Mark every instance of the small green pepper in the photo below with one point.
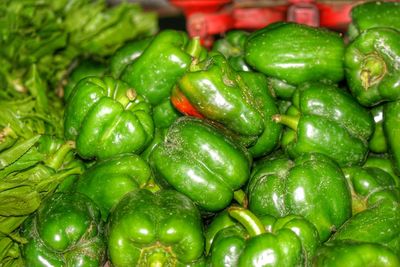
(232, 47)
(373, 14)
(238, 100)
(379, 223)
(372, 65)
(296, 53)
(355, 254)
(107, 117)
(201, 162)
(126, 55)
(231, 230)
(326, 119)
(109, 180)
(370, 185)
(160, 229)
(66, 231)
(162, 63)
(391, 128)
(312, 186)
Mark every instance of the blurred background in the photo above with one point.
(210, 18)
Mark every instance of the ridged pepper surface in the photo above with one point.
(155, 229)
(312, 186)
(107, 117)
(201, 162)
(326, 119)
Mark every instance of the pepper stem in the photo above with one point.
(373, 70)
(288, 120)
(241, 198)
(56, 160)
(248, 219)
(194, 47)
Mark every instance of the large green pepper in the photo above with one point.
(66, 231)
(202, 163)
(107, 117)
(161, 64)
(391, 128)
(327, 120)
(312, 186)
(238, 100)
(370, 185)
(377, 224)
(230, 231)
(373, 14)
(355, 254)
(108, 181)
(160, 229)
(372, 64)
(296, 53)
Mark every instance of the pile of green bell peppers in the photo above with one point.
(273, 147)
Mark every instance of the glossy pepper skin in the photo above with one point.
(66, 231)
(160, 229)
(199, 161)
(391, 128)
(279, 187)
(126, 55)
(238, 100)
(372, 65)
(107, 117)
(373, 14)
(218, 93)
(370, 185)
(296, 53)
(379, 223)
(327, 120)
(232, 47)
(355, 254)
(84, 69)
(109, 180)
(377, 143)
(161, 64)
(227, 238)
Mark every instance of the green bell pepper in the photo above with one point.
(377, 143)
(355, 254)
(370, 185)
(107, 117)
(373, 14)
(109, 180)
(279, 186)
(232, 47)
(160, 229)
(377, 224)
(126, 55)
(372, 66)
(238, 100)
(85, 68)
(230, 231)
(281, 89)
(165, 114)
(199, 161)
(66, 231)
(391, 128)
(161, 64)
(382, 161)
(327, 120)
(296, 53)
